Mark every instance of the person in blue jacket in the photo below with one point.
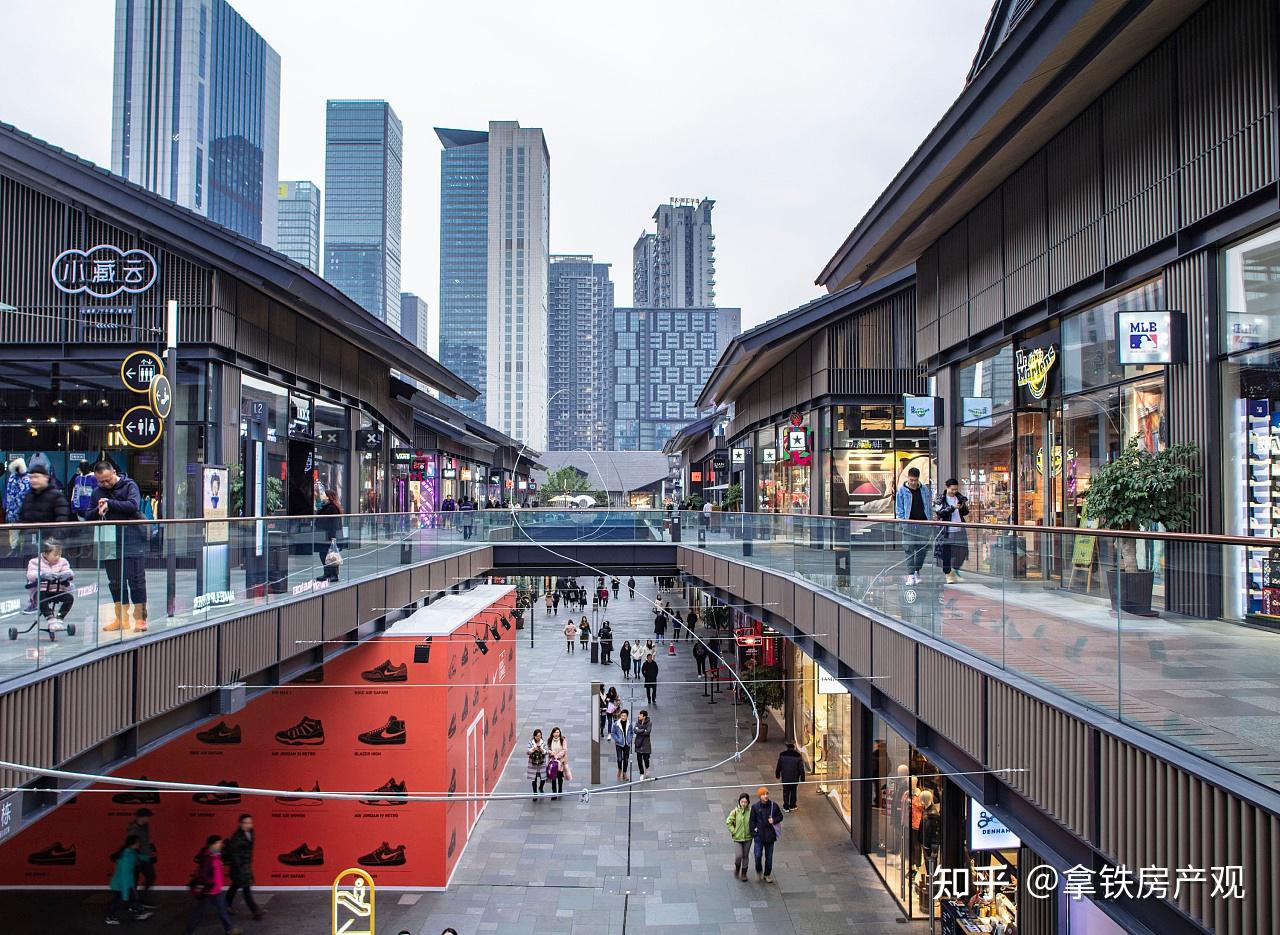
(623, 733)
(115, 498)
(914, 500)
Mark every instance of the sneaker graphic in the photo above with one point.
(301, 799)
(392, 732)
(453, 726)
(302, 856)
(383, 856)
(453, 667)
(390, 788)
(495, 761)
(475, 696)
(309, 732)
(502, 708)
(465, 707)
(139, 796)
(453, 842)
(453, 782)
(311, 677)
(464, 655)
(386, 672)
(218, 798)
(220, 733)
(55, 855)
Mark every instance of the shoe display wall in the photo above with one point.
(371, 721)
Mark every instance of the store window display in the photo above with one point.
(871, 452)
(824, 727)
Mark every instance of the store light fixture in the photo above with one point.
(76, 427)
(29, 420)
(482, 646)
(506, 624)
(53, 418)
(102, 402)
(493, 631)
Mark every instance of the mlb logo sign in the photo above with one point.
(1139, 342)
(1150, 337)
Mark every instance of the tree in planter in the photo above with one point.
(1141, 490)
(733, 497)
(765, 686)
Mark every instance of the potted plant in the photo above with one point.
(765, 686)
(733, 497)
(1141, 490)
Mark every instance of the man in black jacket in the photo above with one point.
(44, 503)
(239, 858)
(790, 770)
(765, 818)
(649, 671)
(115, 498)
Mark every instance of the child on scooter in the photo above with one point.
(49, 576)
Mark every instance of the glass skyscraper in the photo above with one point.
(362, 180)
(464, 259)
(413, 321)
(495, 191)
(196, 111)
(661, 360)
(580, 354)
(298, 224)
(675, 267)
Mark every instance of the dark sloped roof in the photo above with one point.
(50, 168)
(1004, 18)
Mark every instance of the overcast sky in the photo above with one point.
(792, 117)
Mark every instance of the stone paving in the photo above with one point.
(652, 859)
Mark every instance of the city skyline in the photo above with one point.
(580, 323)
(765, 266)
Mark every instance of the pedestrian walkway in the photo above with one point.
(651, 859)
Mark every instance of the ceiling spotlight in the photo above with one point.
(84, 401)
(28, 420)
(75, 427)
(102, 402)
(53, 418)
(482, 646)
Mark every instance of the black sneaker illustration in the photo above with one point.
(218, 798)
(309, 732)
(495, 761)
(386, 672)
(475, 697)
(466, 706)
(137, 796)
(453, 842)
(464, 655)
(394, 793)
(487, 724)
(502, 707)
(302, 856)
(220, 733)
(55, 855)
(302, 799)
(453, 782)
(453, 726)
(311, 677)
(392, 732)
(383, 856)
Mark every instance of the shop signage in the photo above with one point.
(922, 412)
(1151, 337)
(104, 271)
(161, 396)
(106, 318)
(1245, 332)
(533, 485)
(369, 439)
(738, 455)
(769, 455)
(401, 456)
(138, 370)
(987, 832)
(976, 410)
(140, 427)
(719, 464)
(869, 444)
(1035, 368)
(466, 474)
(524, 485)
(828, 684)
(695, 477)
(495, 477)
(299, 415)
(450, 473)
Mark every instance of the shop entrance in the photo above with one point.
(1038, 458)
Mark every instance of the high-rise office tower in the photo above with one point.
(495, 189)
(298, 223)
(195, 111)
(362, 173)
(675, 267)
(413, 321)
(661, 359)
(580, 354)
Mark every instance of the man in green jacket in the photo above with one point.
(739, 824)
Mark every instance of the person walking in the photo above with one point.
(584, 633)
(673, 619)
(691, 622)
(208, 887)
(952, 549)
(612, 705)
(536, 772)
(328, 529)
(624, 736)
(239, 857)
(624, 659)
(570, 631)
(615, 585)
(550, 603)
(912, 502)
(700, 657)
(659, 624)
(555, 601)
(790, 770)
(557, 762)
(765, 818)
(643, 743)
(116, 498)
(45, 502)
(650, 672)
(124, 883)
(637, 657)
(603, 697)
(631, 587)
(140, 828)
(606, 643)
(739, 824)
(603, 593)
(468, 511)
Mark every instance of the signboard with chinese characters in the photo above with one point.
(987, 832)
(104, 271)
(922, 412)
(1151, 337)
(976, 410)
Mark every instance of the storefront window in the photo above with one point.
(989, 378)
(824, 726)
(1089, 355)
(371, 450)
(871, 453)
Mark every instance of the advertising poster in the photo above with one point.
(302, 737)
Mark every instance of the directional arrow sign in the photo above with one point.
(161, 396)
(141, 427)
(139, 369)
